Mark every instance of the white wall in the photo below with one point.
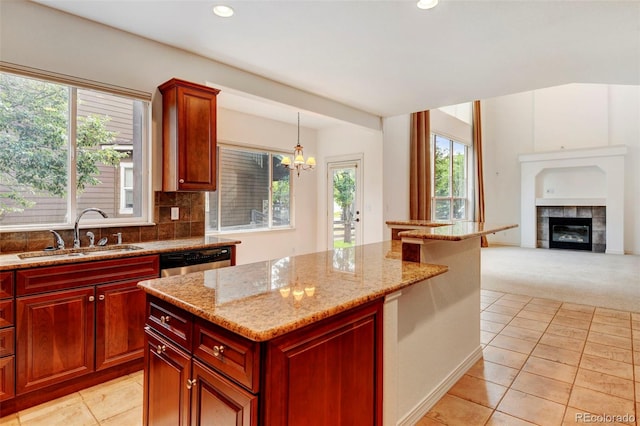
(248, 130)
(566, 117)
(507, 131)
(344, 140)
(396, 169)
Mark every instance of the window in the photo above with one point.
(126, 188)
(450, 182)
(254, 191)
(65, 148)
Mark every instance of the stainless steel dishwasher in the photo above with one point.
(184, 262)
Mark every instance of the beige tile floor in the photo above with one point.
(545, 363)
(114, 403)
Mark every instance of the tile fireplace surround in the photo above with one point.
(596, 213)
(574, 180)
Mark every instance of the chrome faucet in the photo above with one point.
(76, 232)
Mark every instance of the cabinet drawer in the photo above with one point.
(38, 280)
(234, 356)
(6, 285)
(6, 313)
(7, 341)
(170, 322)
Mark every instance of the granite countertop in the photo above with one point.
(453, 232)
(13, 261)
(264, 300)
(415, 223)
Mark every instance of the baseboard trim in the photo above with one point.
(439, 391)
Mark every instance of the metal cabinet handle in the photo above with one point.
(191, 383)
(160, 349)
(91, 298)
(180, 180)
(218, 351)
(165, 320)
(101, 297)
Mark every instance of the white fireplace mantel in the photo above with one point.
(609, 160)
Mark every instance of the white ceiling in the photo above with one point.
(389, 57)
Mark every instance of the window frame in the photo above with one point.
(219, 190)
(73, 84)
(467, 180)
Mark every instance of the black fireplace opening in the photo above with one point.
(570, 233)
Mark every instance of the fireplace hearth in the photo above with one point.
(572, 233)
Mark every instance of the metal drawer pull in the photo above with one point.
(165, 320)
(180, 180)
(101, 297)
(91, 298)
(191, 383)
(218, 351)
(161, 348)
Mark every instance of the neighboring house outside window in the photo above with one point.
(65, 148)
(450, 181)
(253, 191)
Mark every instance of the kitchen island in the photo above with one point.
(348, 336)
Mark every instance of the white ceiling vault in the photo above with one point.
(389, 57)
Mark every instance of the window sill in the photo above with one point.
(249, 231)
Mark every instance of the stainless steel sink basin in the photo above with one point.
(82, 251)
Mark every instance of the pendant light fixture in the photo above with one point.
(298, 163)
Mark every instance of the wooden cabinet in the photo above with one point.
(189, 136)
(120, 316)
(342, 358)
(217, 400)
(167, 369)
(76, 325)
(7, 336)
(55, 337)
(326, 373)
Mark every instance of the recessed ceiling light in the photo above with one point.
(427, 4)
(223, 11)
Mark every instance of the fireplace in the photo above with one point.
(595, 217)
(570, 233)
(585, 182)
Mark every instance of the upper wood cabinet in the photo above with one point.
(188, 136)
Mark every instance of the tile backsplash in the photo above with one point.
(189, 224)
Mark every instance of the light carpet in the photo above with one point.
(597, 279)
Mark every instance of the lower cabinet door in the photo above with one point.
(329, 373)
(217, 401)
(120, 315)
(54, 337)
(166, 395)
(7, 375)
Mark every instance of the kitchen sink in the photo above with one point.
(82, 251)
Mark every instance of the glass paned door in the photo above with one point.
(345, 204)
